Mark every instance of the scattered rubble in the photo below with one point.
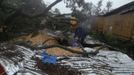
(95, 58)
(104, 63)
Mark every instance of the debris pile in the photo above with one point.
(94, 59)
(28, 61)
(104, 63)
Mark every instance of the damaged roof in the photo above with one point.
(104, 63)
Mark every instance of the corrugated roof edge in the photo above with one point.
(120, 9)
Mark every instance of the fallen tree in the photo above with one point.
(59, 46)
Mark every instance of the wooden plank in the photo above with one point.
(121, 25)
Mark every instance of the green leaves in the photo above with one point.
(74, 4)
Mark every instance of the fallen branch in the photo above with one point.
(102, 46)
(59, 46)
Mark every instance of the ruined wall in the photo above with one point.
(121, 26)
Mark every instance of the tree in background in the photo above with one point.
(74, 4)
(87, 8)
(98, 7)
(108, 6)
(56, 11)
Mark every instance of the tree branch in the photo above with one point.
(45, 11)
(19, 13)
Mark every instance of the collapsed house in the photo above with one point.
(22, 59)
(26, 55)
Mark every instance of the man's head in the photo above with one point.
(73, 21)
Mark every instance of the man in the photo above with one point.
(74, 24)
(79, 31)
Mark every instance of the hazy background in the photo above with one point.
(61, 6)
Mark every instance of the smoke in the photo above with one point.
(89, 23)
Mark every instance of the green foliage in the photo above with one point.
(58, 23)
(19, 24)
(12, 4)
(24, 24)
(73, 4)
(106, 38)
(1, 17)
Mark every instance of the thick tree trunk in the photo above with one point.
(1, 2)
(20, 13)
(47, 9)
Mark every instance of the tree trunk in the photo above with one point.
(44, 13)
(19, 13)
